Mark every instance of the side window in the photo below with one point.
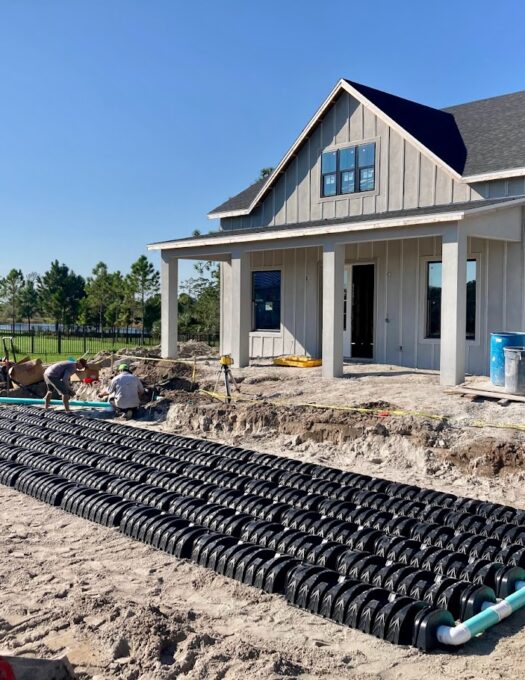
(266, 300)
(433, 299)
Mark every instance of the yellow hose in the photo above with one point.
(362, 409)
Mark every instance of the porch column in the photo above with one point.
(453, 307)
(241, 304)
(169, 288)
(333, 291)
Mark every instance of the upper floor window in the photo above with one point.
(348, 170)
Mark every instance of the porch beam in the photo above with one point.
(333, 295)
(169, 283)
(241, 306)
(503, 225)
(307, 241)
(453, 307)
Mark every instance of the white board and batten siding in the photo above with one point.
(299, 331)
(400, 295)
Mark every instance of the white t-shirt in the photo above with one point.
(126, 389)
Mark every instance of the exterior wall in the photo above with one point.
(405, 177)
(500, 188)
(299, 333)
(400, 300)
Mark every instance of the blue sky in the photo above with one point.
(124, 121)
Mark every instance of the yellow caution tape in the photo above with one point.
(361, 409)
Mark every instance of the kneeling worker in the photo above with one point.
(57, 377)
(124, 392)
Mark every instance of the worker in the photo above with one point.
(124, 392)
(57, 379)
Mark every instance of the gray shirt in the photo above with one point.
(63, 370)
(126, 389)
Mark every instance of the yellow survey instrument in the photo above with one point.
(225, 361)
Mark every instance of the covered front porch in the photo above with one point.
(391, 291)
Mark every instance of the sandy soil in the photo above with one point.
(121, 610)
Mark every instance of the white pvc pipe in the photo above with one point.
(490, 615)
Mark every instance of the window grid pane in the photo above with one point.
(347, 158)
(366, 179)
(348, 182)
(329, 162)
(330, 185)
(367, 154)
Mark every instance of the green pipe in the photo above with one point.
(54, 402)
(491, 614)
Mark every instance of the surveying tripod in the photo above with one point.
(225, 361)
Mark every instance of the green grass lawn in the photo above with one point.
(45, 347)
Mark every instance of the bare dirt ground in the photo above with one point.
(121, 610)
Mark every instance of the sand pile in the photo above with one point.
(193, 348)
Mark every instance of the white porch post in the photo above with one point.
(333, 292)
(241, 306)
(169, 284)
(453, 307)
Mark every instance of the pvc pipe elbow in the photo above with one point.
(455, 636)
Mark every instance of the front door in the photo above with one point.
(358, 319)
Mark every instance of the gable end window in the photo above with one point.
(266, 300)
(349, 170)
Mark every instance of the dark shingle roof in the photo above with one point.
(473, 138)
(435, 129)
(493, 131)
(242, 200)
(356, 219)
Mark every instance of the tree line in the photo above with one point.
(103, 300)
(108, 300)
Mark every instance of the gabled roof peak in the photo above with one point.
(466, 140)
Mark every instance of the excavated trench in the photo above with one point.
(469, 449)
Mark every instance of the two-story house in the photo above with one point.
(390, 231)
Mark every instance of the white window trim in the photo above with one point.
(356, 194)
(265, 333)
(423, 260)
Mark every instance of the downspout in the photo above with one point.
(490, 615)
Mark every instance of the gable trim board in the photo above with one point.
(498, 174)
(341, 86)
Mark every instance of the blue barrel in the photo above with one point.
(498, 342)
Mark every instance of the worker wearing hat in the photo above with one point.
(124, 392)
